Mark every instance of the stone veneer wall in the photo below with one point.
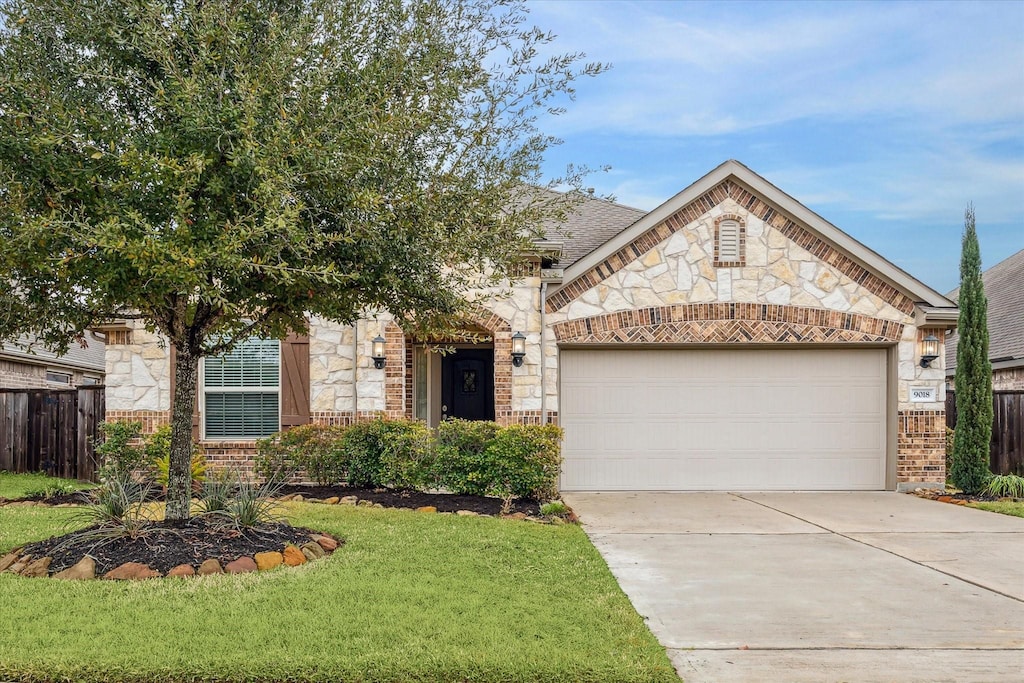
(792, 287)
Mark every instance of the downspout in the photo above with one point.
(543, 352)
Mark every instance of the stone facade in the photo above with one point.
(792, 288)
(667, 286)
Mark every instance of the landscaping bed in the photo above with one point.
(442, 502)
(163, 546)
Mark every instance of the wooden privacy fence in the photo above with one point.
(52, 430)
(1007, 449)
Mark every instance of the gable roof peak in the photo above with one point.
(734, 170)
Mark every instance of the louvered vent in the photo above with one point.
(729, 241)
(242, 391)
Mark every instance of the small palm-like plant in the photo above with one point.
(218, 491)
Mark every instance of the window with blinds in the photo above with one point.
(242, 391)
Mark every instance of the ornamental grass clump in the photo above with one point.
(1005, 486)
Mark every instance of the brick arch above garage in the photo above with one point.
(728, 323)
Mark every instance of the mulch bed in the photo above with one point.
(164, 545)
(444, 502)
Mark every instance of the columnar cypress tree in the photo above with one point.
(969, 470)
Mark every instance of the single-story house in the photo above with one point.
(1004, 289)
(729, 339)
(25, 364)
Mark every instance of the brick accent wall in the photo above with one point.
(758, 207)
(1009, 379)
(727, 323)
(342, 418)
(921, 446)
(151, 419)
(233, 455)
(22, 376)
(395, 395)
(532, 417)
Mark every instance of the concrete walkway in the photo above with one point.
(855, 587)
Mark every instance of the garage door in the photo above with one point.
(709, 419)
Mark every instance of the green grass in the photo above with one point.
(1005, 507)
(21, 485)
(410, 597)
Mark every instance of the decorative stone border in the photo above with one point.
(319, 546)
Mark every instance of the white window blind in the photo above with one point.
(728, 241)
(241, 391)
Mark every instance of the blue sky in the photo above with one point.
(884, 118)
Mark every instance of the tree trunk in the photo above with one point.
(179, 474)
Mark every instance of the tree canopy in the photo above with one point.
(222, 168)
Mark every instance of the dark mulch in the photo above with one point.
(164, 545)
(444, 502)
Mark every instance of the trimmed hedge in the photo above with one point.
(463, 457)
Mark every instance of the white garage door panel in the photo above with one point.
(709, 419)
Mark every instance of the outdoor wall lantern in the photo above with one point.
(518, 349)
(929, 350)
(378, 352)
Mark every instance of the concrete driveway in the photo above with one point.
(818, 586)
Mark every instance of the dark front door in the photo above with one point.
(467, 384)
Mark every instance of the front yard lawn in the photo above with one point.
(410, 597)
(21, 485)
(1006, 507)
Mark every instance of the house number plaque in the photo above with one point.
(922, 394)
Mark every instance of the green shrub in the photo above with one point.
(1005, 486)
(118, 450)
(364, 445)
(317, 450)
(459, 464)
(407, 461)
(522, 462)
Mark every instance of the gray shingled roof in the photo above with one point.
(89, 358)
(592, 223)
(1004, 288)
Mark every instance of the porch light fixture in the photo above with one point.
(929, 350)
(518, 349)
(378, 352)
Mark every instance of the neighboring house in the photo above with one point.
(26, 365)
(729, 339)
(1004, 289)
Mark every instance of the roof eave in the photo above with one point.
(868, 258)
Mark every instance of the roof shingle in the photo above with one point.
(1004, 288)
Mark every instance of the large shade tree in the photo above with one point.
(969, 470)
(221, 169)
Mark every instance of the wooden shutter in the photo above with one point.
(294, 381)
(196, 422)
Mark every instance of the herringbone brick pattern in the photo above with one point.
(727, 323)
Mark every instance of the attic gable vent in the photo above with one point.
(730, 240)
